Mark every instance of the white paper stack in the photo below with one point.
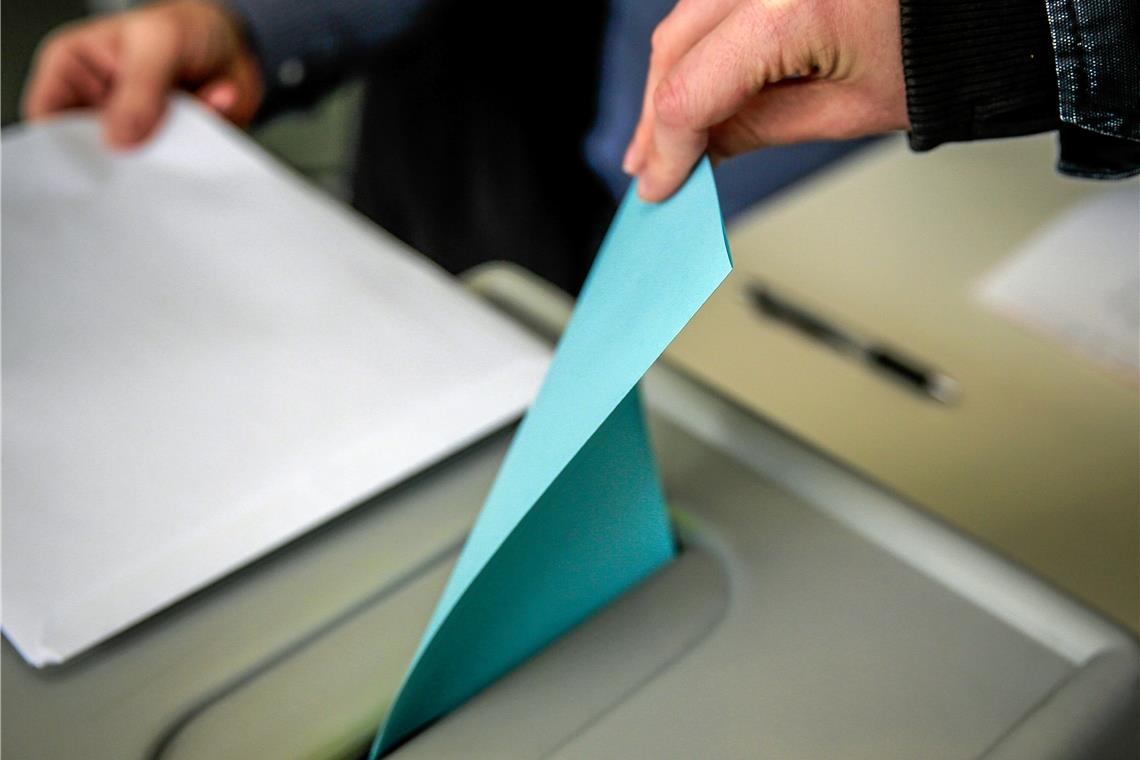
(202, 359)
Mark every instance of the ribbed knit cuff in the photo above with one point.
(977, 69)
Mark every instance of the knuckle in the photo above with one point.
(671, 102)
(775, 26)
(771, 21)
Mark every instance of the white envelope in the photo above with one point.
(202, 359)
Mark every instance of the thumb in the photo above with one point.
(147, 71)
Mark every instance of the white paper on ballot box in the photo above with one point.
(203, 358)
(1077, 280)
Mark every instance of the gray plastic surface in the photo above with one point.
(809, 615)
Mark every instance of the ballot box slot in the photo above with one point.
(887, 361)
(351, 666)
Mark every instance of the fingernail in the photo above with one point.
(223, 99)
(632, 163)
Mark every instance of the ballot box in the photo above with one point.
(808, 614)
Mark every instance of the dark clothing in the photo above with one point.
(1010, 67)
(472, 146)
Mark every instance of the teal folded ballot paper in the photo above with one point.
(576, 515)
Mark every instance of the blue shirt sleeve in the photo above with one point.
(305, 47)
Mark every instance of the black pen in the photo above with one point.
(918, 377)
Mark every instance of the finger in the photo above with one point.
(753, 46)
(687, 23)
(48, 90)
(91, 84)
(672, 154)
(673, 143)
(99, 57)
(47, 95)
(149, 62)
(634, 157)
(64, 64)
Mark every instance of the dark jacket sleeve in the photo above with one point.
(306, 47)
(994, 68)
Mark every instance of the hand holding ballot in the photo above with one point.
(731, 76)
